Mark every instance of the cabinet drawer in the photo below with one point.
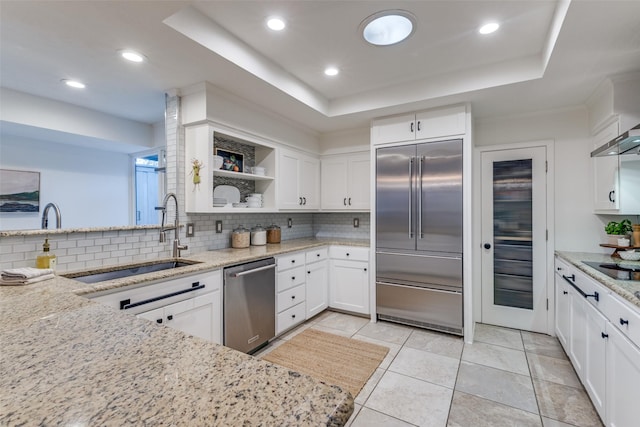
(563, 268)
(317, 255)
(290, 318)
(290, 278)
(290, 261)
(624, 317)
(291, 297)
(590, 287)
(349, 253)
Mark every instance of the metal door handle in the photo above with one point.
(253, 270)
(623, 322)
(170, 317)
(411, 127)
(305, 200)
(411, 193)
(300, 202)
(420, 234)
(603, 335)
(418, 125)
(612, 193)
(349, 201)
(487, 245)
(344, 201)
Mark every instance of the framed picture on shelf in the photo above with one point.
(232, 162)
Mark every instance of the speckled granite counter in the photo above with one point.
(67, 360)
(625, 288)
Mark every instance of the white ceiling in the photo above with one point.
(545, 55)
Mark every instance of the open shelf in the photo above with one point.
(241, 175)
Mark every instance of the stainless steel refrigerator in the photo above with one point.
(419, 235)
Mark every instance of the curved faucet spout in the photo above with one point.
(177, 247)
(45, 216)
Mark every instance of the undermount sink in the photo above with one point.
(104, 274)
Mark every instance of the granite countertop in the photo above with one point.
(68, 360)
(624, 288)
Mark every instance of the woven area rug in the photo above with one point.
(330, 358)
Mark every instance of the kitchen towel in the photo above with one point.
(25, 275)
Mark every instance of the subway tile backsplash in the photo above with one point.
(77, 251)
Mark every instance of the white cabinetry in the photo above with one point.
(346, 182)
(191, 304)
(317, 281)
(442, 122)
(298, 181)
(199, 145)
(605, 172)
(349, 279)
(616, 179)
(290, 291)
(602, 338)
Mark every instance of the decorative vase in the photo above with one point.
(613, 238)
(636, 234)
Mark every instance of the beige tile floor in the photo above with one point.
(505, 378)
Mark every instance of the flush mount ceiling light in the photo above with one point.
(131, 55)
(275, 23)
(73, 83)
(388, 27)
(489, 28)
(331, 71)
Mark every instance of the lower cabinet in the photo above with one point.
(601, 338)
(349, 278)
(196, 316)
(622, 379)
(290, 291)
(317, 287)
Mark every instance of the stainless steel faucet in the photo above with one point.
(177, 247)
(45, 216)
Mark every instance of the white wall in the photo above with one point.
(345, 141)
(91, 187)
(576, 227)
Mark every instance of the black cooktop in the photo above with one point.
(621, 271)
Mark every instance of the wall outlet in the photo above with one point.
(356, 222)
(218, 226)
(191, 229)
(289, 223)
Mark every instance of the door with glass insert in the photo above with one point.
(514, 238)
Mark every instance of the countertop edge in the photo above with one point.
(619, 287)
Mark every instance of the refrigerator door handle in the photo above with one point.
(410, 196)
(419, 178)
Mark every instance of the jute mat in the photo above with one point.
(330, 358)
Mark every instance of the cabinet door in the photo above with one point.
(577, 332)
(310, 182)
(317, 288)
(359, 182)
(443, 122)
(623, 380)
(288, 183)
(334, 183)
(563, 304)
(605, 172)
(595, 362)
(197, 316)
(393, 129)
(156, 315)
(349, 286)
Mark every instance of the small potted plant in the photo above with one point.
(617, 230)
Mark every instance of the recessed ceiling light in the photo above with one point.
(74, 83)
(132, 56)
(275, 23)
(331, 71)
(388, 27)
(489, 28)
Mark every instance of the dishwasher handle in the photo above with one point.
(253, 270)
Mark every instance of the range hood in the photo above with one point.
(627, 143)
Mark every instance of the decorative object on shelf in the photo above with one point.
(636, 234)
(630, 255)
(231, 161)
(196, 167)
(19, 191)
(617, 230)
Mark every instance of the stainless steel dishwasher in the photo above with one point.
(250, 305)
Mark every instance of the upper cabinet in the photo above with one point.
(442, 122)
(298, 181)
(616, 179)
(346, 182)
(202, 142)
